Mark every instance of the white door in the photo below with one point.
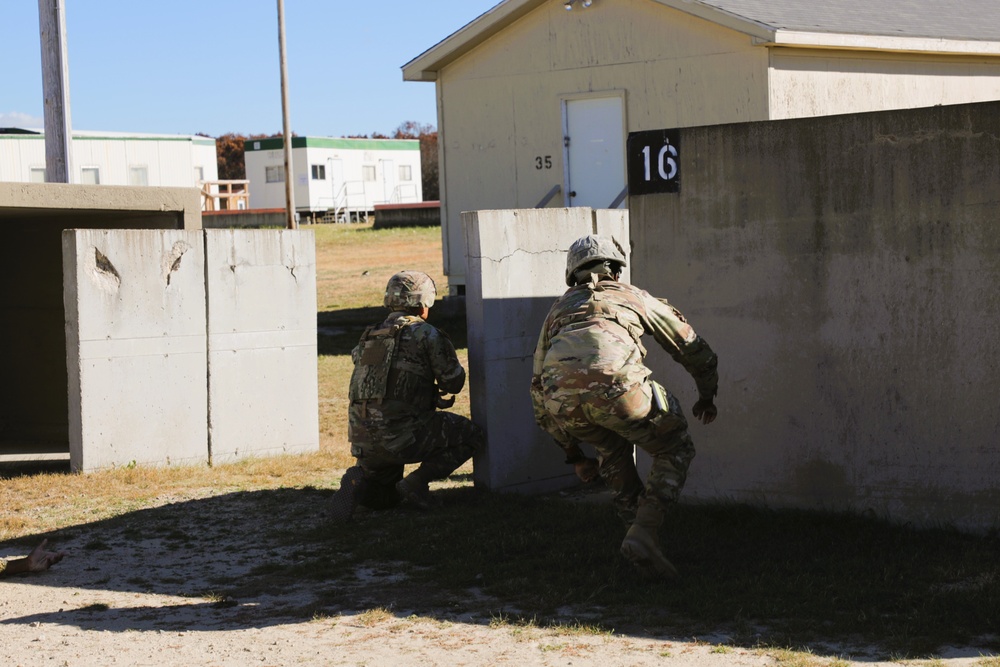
(338, 196)
(595, 151)
(389, 181)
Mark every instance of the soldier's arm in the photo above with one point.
(678, 338)
(447, 369)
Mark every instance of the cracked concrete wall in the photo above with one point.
(517, 264)
(136, 347)
(263, 392)
(189, 346)
(845, 269)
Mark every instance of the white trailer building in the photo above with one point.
(335, 179)
(113, 158)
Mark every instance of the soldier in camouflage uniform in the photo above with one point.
(404, 370)
(589, 384)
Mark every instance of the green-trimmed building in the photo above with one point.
(335, 179)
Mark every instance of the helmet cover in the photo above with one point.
(409, 289)
(591, 249)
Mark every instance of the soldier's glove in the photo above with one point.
(444, 401)
(587, 470)
(705, 411)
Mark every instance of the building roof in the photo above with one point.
(964, 20)
(970, 27)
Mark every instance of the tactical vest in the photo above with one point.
(597, 307)
(375, 374)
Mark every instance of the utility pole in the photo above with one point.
(286, 124)
(55, 89)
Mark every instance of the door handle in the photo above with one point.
(572, 193)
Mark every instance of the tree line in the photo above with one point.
(229, 152)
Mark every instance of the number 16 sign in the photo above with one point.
(653, 162)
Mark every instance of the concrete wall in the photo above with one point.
(136, 348)
(517, 263)
(33, 400)
(424, 214)
(263, 393)
(845, 270)
(248, 219)
(189, 347)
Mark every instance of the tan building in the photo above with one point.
(535, 102)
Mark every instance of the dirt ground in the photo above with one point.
(128, 595)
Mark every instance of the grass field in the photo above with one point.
(758, 578)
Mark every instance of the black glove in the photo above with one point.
(705, 411)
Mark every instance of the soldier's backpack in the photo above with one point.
(370, 379)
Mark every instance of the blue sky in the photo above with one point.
(212, 66)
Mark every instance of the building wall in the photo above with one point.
(350, 190)
(845, 269)
(169, 161)
(834, 82)
(501, 104)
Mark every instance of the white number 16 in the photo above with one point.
(662, 162)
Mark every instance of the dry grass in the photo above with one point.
(353, 264)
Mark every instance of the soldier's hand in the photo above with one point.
(587, 470)
(444, 402)
(705, 411)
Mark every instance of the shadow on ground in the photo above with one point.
(754, 577)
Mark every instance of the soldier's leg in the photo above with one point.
(632, 416)
(370, 482)
(615, 456)
(665, 438)
(447, 442)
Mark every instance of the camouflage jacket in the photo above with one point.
(590, 342)
(423, 365)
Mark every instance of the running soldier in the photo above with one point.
(404, 371)
(589, 385)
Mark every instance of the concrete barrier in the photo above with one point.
(845, 270)
(263, 393)
(517, 263)
(189, 346)
(421, 214)
(136, 347)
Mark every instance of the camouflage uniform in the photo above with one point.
(590, 385)
(402, 368)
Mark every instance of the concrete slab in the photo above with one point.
(263, 391)
(136, 346)
(517, 261)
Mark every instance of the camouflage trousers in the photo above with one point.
(440, 447)
(615, 425)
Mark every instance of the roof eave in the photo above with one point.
(426, 66)
(723, 18)
(828, 40)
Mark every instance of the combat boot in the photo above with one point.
(414, 489)
(345, 500)
(641, 546)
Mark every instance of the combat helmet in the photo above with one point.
(409, 289)
(591, 249)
